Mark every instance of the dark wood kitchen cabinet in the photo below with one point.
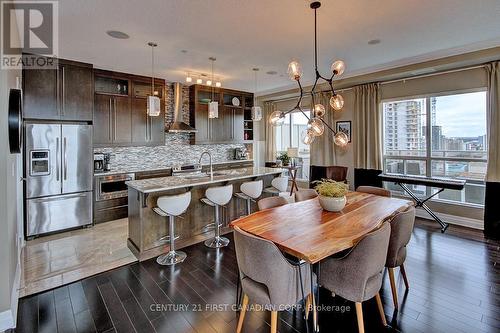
(120, 114)
(112, 120)
(145, 129)
(229, 127)
(63, 93)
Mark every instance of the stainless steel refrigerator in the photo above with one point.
(58, 172)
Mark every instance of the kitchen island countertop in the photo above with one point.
(182, 181)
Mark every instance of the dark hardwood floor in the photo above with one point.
(454, 287)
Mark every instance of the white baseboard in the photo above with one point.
(452, 219)
(8, 318)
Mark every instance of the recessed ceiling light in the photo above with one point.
(117, 34)
(184, 51)
(271, 72)
(374, 41)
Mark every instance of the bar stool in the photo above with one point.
(216, 197)
(171, 206)
(278, 185)
(249, 192)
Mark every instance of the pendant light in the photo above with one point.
(256, 110)
(153, 105)
(213, 106)
(316, 124)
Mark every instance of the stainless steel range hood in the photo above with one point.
(178, 126)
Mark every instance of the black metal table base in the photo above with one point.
(421, 203)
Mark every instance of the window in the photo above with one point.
(289, 135)
(442, 136)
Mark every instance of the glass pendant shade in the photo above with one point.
(294, 71)
(189, 79)
(199, 81)
(341, 139)
(218, 84)
(316, 126)
(338, 67)
(319, 110)
(337, 102)
(209, 82)
(277, 118)
(308, 137)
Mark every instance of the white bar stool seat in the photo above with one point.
(217, 197)
(171, 206)
(249, 192)
(278, 185)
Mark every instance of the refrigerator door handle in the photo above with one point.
(57, 162)
(65, 160)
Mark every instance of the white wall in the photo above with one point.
(11, 197)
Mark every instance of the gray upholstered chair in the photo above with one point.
(267, 277)
(358, 275)
(302, 195)
(271, 202)
(374, 190)
(401, 229)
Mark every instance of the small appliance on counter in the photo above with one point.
(101, 162)
(240, 154)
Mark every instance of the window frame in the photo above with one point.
(428, 158)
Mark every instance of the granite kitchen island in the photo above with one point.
(146, 229)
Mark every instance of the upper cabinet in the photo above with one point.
(63, 93)
(230, 125)
(120, 116)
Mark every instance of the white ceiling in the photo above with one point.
(268, 34)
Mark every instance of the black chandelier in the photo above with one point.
(316, 124)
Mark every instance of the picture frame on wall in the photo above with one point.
(344, 126)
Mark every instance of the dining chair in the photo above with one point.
(306, 194)
(401, 229)
(334, 172)
(374, 190)
(267, 278)
(367, 177)
(357, 276)
(271, 202)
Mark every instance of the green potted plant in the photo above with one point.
(283, 157)
(331, 194)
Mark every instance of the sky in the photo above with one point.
(462, 115)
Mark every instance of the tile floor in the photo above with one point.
(52, 261)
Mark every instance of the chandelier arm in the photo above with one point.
(328, 126)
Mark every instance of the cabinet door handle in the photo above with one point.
(114, 131)
(63, 91)
(109, 120)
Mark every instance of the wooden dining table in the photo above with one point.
(306, 231)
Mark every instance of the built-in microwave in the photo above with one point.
(112, 186)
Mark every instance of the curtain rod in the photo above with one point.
(395, 81)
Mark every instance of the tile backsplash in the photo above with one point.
(176, 150)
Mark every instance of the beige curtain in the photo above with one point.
(323, 148)
(367, 127)
(493, 122)
(270, 133)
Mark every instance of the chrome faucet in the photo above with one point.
(210, 156)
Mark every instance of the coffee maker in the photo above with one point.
(101, 162)
(240, 154)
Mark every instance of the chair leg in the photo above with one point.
(315, 314)
(405, 278)
(393, 287)
(244, 306)
(359, 315)
(274, 321)
(381, 309)
(308, 305)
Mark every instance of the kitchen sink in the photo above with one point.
(203, 175)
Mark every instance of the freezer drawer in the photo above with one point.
(57, 213)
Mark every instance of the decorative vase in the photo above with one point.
(332, 204)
